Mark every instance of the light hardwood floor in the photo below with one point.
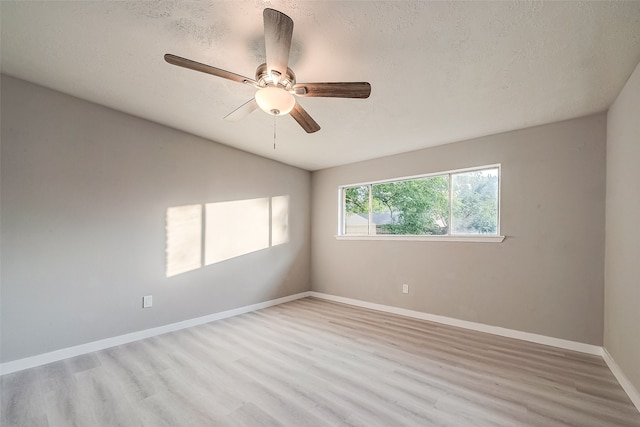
(316, 363)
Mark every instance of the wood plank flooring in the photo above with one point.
(312, 362)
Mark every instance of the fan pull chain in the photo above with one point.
(274, 132)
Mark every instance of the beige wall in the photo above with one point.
(85, 190)
(546, 277)
(622, 265)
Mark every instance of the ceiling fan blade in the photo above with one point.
(334, 90)
(278, 29)
(197, 66)
(242, 111)
(304, 119)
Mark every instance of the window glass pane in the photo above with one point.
(356, 210)
(411, 207)
(475, 202)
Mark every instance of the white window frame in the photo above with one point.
(478, 238)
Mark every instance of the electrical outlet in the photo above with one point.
(405, 288)
(147, 301)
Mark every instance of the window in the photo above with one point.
(455, 203)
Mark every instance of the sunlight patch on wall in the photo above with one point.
(235, 228)
(279, 220)
(231, 229)
(184, 239)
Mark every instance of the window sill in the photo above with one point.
(472, 239)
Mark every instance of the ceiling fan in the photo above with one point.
(275, 81)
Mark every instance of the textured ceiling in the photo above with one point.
(440, 71)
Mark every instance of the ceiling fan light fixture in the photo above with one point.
(275, 100)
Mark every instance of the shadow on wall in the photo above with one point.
(223, 230)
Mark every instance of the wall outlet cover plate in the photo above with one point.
(147, 301)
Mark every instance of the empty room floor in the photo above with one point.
(312, 362)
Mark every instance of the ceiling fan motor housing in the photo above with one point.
(274, 78)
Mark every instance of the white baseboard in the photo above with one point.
(495, 330)
(65, 353)
(631, 391)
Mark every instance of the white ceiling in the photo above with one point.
(440, 71)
